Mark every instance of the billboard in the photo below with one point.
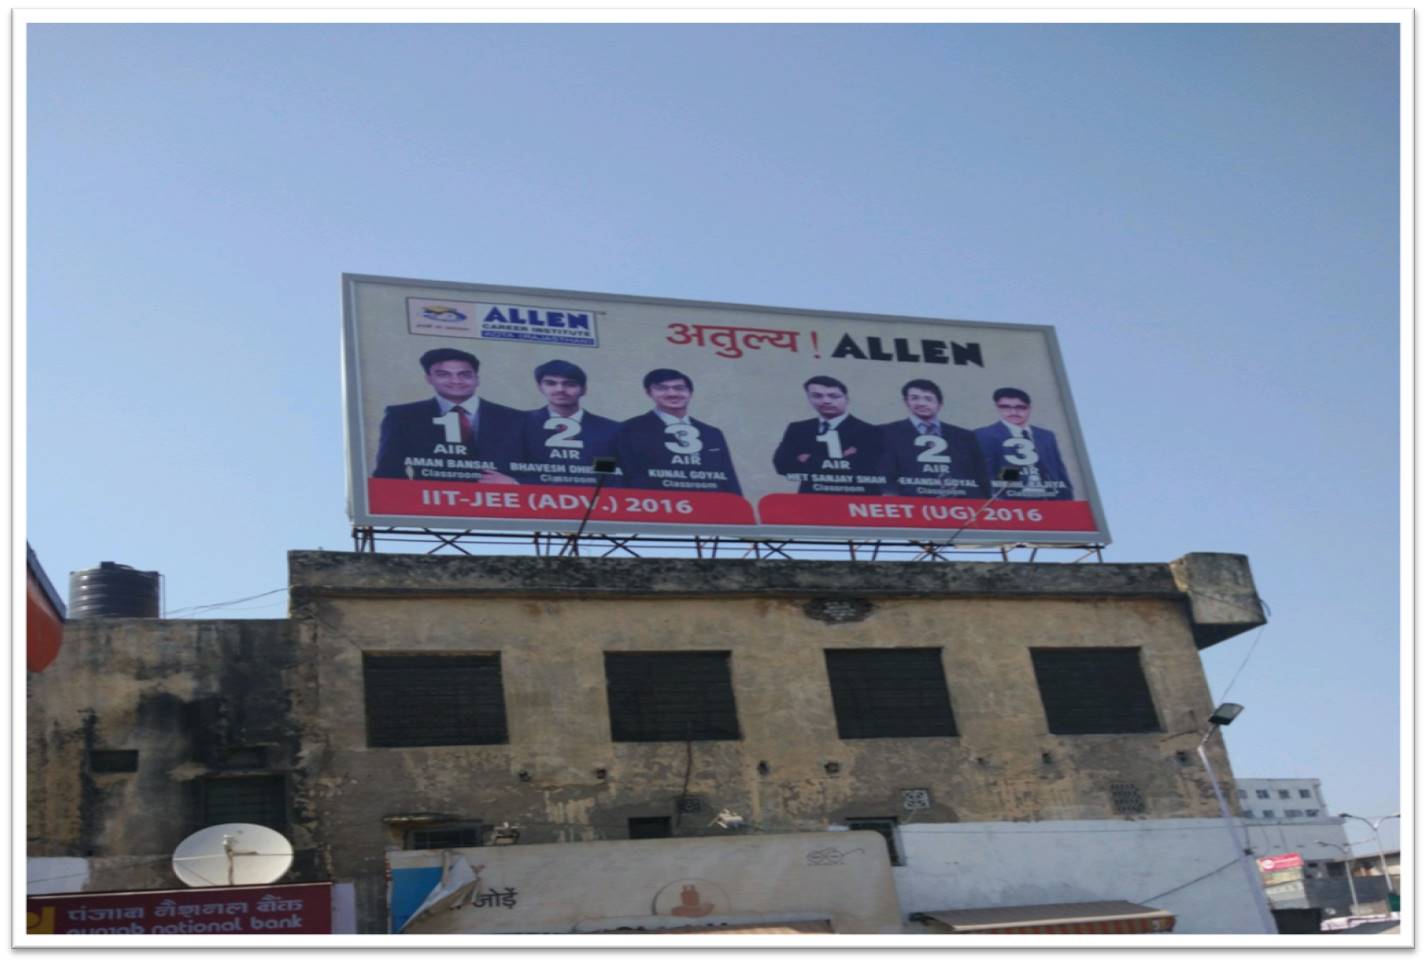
(481, 407)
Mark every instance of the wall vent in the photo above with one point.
(1126, 799)
(913, 799)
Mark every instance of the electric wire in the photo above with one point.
(222, 605)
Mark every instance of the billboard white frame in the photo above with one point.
(358, 382)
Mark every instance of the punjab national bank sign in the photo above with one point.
(479, 407)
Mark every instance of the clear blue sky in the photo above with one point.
(1209, 215)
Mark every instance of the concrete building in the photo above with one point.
(1015, 733)
(1291, 815)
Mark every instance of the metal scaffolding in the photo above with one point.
(606, 545)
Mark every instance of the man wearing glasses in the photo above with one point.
(1012, 442)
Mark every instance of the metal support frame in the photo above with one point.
(604, 545)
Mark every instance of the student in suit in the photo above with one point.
(835, 453)
(454, 436)
(667, 449)
(1012, 442)
(928, 457)
(562, 439)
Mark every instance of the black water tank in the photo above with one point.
(113, 590)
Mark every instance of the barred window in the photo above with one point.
(245, 799)
(434, 700)
(670, 696)
(889, 693)
(1094, 690)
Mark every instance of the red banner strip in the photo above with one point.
(463, 500)
(886, 511)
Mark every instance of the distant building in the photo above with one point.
(1291, 815)
(1020, 737)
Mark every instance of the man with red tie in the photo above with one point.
(455, 436)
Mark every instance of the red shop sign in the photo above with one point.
(295, 908)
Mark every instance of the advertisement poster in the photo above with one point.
(488, 408)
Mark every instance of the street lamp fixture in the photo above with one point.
(1225, 714)
(604, 468)
(1376, 833)
(1222, 716)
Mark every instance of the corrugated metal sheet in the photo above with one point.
(1102, 916)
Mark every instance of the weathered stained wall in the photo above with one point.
(181, 693)
(1186, 866)
(552, 620)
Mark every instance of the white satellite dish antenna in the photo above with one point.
(232, 854)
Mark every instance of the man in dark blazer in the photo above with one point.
(928, 457)
(454, 436)
(1012, 442)
(835, 453)
(561, 440)
(666, 449)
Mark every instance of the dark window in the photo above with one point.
(452, 836)
(1304, 793)
(650, 827)
(887, 828)
(1094, 690)
(1292, 813)
(1247, 814)
(670, 696)
(1264, 794)
(245, 799)
(1268, 814)
(889, 693)
(1284, 794)
(434, 700)
(113, 760)
(1313, 812)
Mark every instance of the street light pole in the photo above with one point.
(1347, 855)
(1380, 850)
(1222, 716)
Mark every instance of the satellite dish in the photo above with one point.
(232, 854)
